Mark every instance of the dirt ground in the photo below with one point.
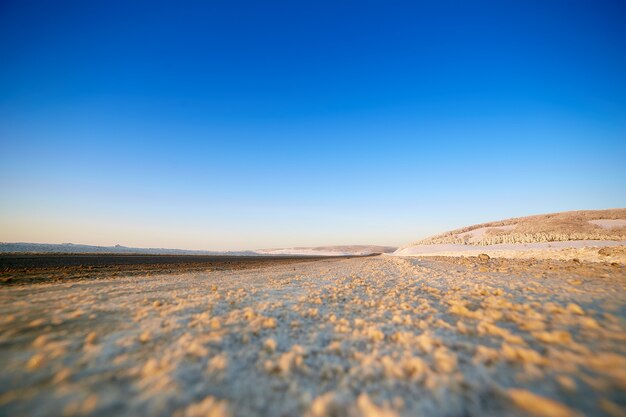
(17, 269)
(378, 336)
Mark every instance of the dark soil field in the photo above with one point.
(34, 268)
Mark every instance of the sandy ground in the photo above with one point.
(587, 250)
(380, 336)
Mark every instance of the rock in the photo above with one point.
(484, 257)
(62, 375)
(36, 361)
(556, 336)
(269, 323)
(91, 338)
(215, 323)
(270, 345)
(145, 337)
(218, 363)
(445, 361)
(41, 341)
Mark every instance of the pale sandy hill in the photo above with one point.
(566, 235)
(554, 227)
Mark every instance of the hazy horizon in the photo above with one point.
(216, 248)
(246, 126)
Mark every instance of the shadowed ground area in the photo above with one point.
(377, 336)
(36, 268)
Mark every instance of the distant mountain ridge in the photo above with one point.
(584, 235)
(22, 247)
(345, 250)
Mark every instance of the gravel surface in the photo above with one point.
(379, 336)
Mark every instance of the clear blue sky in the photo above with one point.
(234, 125)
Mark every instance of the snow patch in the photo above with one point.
(609, 224)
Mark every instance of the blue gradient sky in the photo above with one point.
(241, 125)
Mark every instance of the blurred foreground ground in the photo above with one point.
(379, 336)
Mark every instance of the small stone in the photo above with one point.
(41, 341)
(444, 360)
(218, 363)
(150, 368)
(269, 323)
(91, 338)
(414, 367)
(557, 336)
(36, 361)
(215, 323)
(270, 345)
(63, 375)
(589, 323)
(145, 337)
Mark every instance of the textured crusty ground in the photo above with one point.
(378, 336)
(589, 251)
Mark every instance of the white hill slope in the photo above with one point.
(566, 235)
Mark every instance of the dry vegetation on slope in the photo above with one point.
(565, 226)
